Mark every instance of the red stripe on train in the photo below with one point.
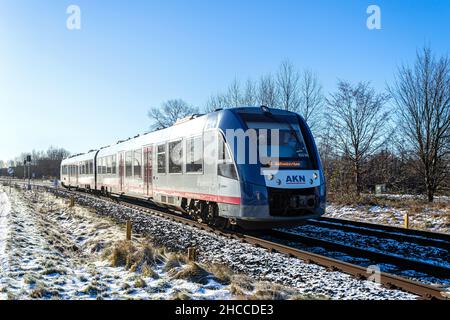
(201, 196)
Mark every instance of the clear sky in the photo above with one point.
(81, 89)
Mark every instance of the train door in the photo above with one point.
(148, 170)
(121, 172)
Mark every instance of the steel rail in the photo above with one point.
(429, 242)
(426, 238)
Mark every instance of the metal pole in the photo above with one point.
(29, 177)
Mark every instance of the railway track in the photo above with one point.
(403, 263)
(420, 237)
(388, 280)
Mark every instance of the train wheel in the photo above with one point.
(213, 218)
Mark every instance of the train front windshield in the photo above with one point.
(292, 150)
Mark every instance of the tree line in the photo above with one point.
(44, 163)
(399, 137)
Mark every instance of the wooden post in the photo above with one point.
(406, 221)
(72, 202)
(129, 230)
(192, 254)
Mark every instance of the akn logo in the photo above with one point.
(295, 180)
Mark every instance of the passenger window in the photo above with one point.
(138, 163)
(194, 154)
(99, 168)
(161, 156)
(91, 167)
(108, 165)
(129, 164)
(176, 157)
(225, 165)
(114, 165)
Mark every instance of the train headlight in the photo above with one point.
(270, 176)
(316, 176)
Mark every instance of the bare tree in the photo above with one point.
(170, 112)
(218, 101)
(311, 98)
(234, 94)
(249, 97)
(55, 153)
(267, 91)
(357, 120)
(422, 96)
(288, 86)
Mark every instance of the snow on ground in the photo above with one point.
(50, 251)
(258, 263)
(434, 220)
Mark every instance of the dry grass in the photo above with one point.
(245, 288)
(221, 273)
(194, 273)
(241, 285)
(134, 258)
(173, 261)
(181, 295)
(143, 258)
(140, 283)
(272, 291)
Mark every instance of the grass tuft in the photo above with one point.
(194, 273)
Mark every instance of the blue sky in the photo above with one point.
(86, 88)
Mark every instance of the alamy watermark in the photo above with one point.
(73, 21)
(374, 20)
(374, 272)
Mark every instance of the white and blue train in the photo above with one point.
(191, 167)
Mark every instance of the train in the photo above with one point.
(199, 167)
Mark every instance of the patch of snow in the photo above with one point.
(434, 220)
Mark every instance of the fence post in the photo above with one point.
(72, 201)
(192, 254)
(129, 227)
(406, 220)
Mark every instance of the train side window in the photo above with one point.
(99, 166)
(225, 165)
(105, 165)
(114, 164)
(161, 156)
(129, 164)
(108, 165)
(194, 154)
(91, 167)
(176, 156)
(137, 163)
